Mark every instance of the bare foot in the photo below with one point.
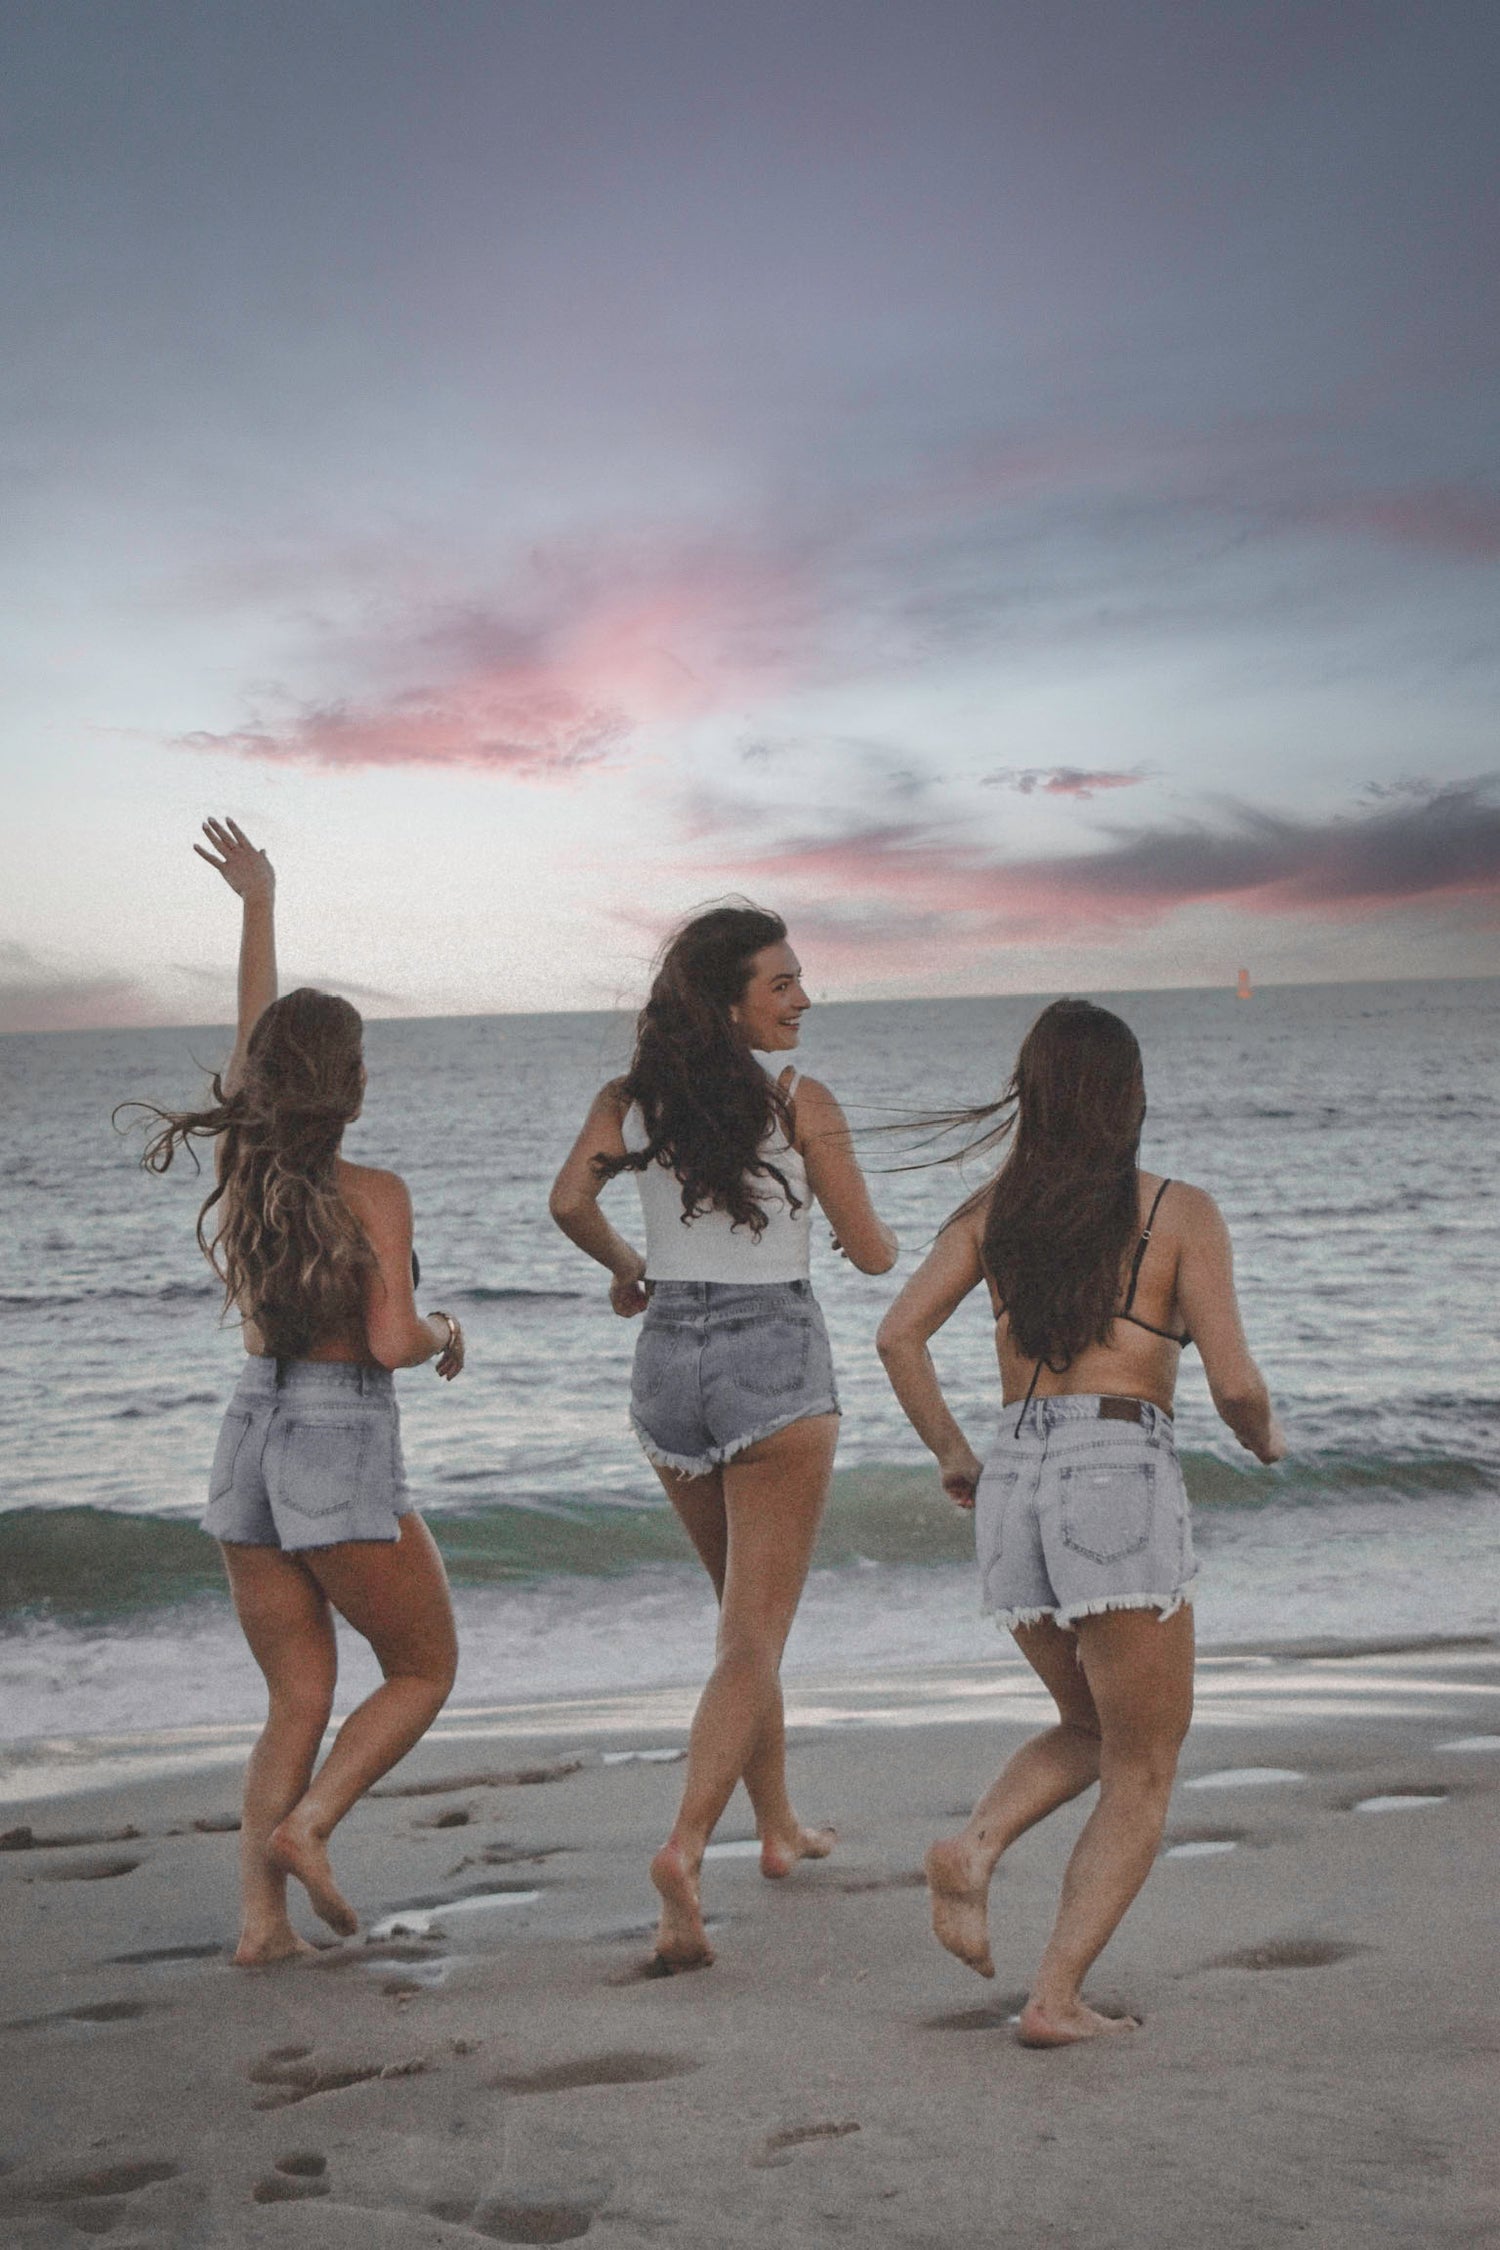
(780, 1854)
(960, 1897)
(681, 1939)
(1064, 2027)
(259, 1948)
(296, 1850)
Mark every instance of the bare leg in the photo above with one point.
(286, 1622)
(1140, 1673)
(1045, 1772)
(773, 1498)
(394, 1593)
(699, 1502)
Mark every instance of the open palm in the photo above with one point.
(246, 870)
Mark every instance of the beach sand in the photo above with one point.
(1317, 2063)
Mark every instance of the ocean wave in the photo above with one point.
(169, 1292)
(85, 1564)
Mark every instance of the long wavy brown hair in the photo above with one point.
(1063, 1211)
(707, 1104)
(291, 1255)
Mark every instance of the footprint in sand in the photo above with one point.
(626, 2067)
(98, 2011)
(94, 2188)
(87, 1871)
(291, 2074)
(528, 2222)
(156, 1956)
(994, 2017)
(854, 1885)
(1289, 1953)
(26, 1839)
(296, 2179)
(774, 2149)
(514, 1777)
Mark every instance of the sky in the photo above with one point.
(1014, 488)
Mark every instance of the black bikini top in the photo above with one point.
(1125, 1312)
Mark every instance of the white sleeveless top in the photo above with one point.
(710, 1247)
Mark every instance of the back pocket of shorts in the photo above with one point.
(657, 1350)
(317, 1468)
(1107, 1511)
(226, 1454)
(771, 1355)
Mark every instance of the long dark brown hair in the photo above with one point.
(1063, 1211)
(707, 1104)
(289, 1251)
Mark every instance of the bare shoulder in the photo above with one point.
(1191, 1211)
(374, 1194)
(612, 1099)
(815, 1104)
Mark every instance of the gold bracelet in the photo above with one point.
(437, 1313)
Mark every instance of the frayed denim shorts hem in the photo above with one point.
(309, 1456)
(1081, 1511)
(720, 1365)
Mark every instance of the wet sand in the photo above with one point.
(1315, 1959)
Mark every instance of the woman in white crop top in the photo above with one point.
(732, 1393)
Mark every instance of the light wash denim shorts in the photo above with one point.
(719, 1364)
(309, 1459)
(1080, 1511)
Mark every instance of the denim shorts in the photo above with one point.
(1080, 1513)
(719, 1364)
(309, 1460)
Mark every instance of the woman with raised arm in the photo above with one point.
(308, 1494)
(732, 1395)
(1099, 1275)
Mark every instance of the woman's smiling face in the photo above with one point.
(768, 1014)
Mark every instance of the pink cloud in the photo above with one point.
(552, 680)
(1457, 520)
(1060, 781)
(1443, 849)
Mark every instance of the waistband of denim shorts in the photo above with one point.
(1046, 1414)
(728, 1296)
(327, 1377)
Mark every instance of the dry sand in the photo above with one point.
(1317, 2063)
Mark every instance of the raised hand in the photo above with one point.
(245, 869)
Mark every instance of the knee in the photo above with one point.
(303, 1704)
(1147, 1770)
(749, 1650)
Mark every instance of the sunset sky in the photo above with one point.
(1015, 487)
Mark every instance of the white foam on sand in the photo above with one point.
(1468, 1742)
(1245, 1777)
(1205, 1850)
(746, 1847)
(1398, 1803)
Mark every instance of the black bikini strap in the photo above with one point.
(1026, 1401)
(1140, 1248)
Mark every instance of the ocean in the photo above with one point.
(1347, 1131)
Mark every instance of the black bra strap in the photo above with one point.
(1140, 1248)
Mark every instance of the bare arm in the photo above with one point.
(251, 876)
(397, 1334)
(1206, 1296)
(939, 1286)
(574, 1204)
(833, 1174)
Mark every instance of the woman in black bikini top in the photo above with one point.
(1082, 1523)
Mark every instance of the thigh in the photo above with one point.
(394, 1592)
(699, 1506)
(1053, 1654)
(1140, 1673)
(773, 1499)
(283, 1615)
